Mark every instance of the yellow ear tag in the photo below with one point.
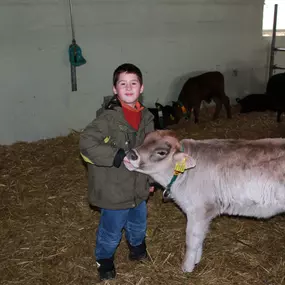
(106, 139)
(180, 166)
(171, 117)
(183, 109)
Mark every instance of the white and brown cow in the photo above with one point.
(222, 176)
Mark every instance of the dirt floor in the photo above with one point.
(48, 230)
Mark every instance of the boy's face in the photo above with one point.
(128, 88)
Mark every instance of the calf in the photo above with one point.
(163, 116)
(276, 90)
(207, 86)
(272, 100)
(256, 103)
(207, 178)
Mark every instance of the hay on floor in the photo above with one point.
(48, 230)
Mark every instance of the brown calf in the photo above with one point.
(205, 87)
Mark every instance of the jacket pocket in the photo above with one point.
(141, 188)
(114, 186)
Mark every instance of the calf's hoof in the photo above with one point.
(187, 267)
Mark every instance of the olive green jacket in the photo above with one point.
(110, 187)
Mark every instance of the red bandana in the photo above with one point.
(133, 115)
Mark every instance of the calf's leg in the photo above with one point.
(279, 116)
(196, 111)
(196, 230)
(218, 102)
(226, 103)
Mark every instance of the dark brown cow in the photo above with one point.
(272, 100)
(205, 87)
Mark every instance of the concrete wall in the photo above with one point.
(168, 39)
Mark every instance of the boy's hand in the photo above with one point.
(119, 157)
(154, 186)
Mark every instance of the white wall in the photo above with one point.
(168, 39)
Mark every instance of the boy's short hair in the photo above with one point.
(128, 68)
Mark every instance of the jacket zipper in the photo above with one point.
(135, 180)
(128, 143)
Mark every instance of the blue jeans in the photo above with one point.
(112, 222)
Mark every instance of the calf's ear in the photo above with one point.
(185, 160)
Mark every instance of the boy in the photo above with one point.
(119, 193)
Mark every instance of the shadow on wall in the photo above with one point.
(244, 79)
(239, 81)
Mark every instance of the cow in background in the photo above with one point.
(164, 116)
(205, 87)
(255, 103)
(272, 100)
(276, 90)
(207, 178)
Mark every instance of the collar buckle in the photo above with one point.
(166, 194)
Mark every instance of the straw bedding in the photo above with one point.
(48, 229)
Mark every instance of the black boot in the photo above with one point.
(138, 252)
(106, 269)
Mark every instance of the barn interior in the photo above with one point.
(47, 226)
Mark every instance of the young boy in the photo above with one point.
(121, 194)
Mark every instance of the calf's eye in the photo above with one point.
(162, 153)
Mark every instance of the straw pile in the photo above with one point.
(48, 229)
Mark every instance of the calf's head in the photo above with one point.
(181, 112)
(157, 156)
